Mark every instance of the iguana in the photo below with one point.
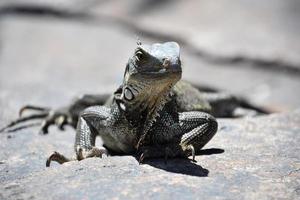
(152, 114)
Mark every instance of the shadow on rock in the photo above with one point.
(210, 151)
(184, 166)
(181, 166)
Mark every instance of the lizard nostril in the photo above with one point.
(166, 62)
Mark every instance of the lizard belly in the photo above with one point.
(119, 139)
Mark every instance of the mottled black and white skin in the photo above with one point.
(152, 114)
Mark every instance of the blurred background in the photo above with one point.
(53, 50)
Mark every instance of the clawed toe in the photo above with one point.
(61, 121)
(34, 108)
(189, 150)
(141, 158)
(191, 147)
(152, 152)
(44, 127)
(165, 151)
(94, 152)
(48, 117)
(23, 119)
(57, 157)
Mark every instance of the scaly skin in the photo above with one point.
(143, 115)
(152, 113)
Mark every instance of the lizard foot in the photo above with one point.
(81, 154)
(31, 107)
(190, 150)
(94, 152)
(49, 117)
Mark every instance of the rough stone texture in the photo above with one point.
(260, 161)
(48, 60)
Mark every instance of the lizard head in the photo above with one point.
(156, 61)
(150, 74)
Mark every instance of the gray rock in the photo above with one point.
(50, 55)
(252, 30)
(249, 30)
(65, 5)
(254, 158)
(61, 52)
(49, 60)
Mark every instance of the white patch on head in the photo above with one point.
(122, 106)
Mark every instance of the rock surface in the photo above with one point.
(249, 29)
(247, 59)
(254, 158)
(51, 51)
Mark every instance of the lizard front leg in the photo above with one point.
(198, 128)
(190, 134)
(90, 121)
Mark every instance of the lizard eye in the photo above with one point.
(128, 94)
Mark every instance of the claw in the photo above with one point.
(96, 152)
(141, 159)
(193, 152)
(79, 154)
(47, 115)
(140, 141)
(30, 107)
(44, 127)
(52, 118)
(55, 156)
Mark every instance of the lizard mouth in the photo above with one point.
(171, 69)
